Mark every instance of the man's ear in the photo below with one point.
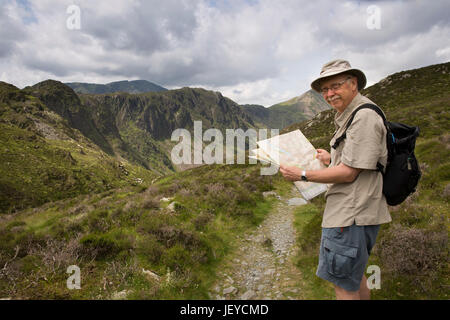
(354, 82)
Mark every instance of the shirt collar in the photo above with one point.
(341, 118)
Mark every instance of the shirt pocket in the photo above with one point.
(340, 258)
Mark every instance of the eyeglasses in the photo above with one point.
(333, 87)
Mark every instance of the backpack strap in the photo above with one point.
(373, 107)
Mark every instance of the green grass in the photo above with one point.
(35, 170)
(307, 223)
(114, 235)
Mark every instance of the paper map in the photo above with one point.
(292, 149)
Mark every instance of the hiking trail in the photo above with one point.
(262, 267)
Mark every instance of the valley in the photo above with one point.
(87, 179)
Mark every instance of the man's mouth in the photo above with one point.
(333, 99)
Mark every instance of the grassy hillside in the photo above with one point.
(43, 158)
(131, 242)
(413, 250)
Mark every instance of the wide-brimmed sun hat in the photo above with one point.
(336, 67)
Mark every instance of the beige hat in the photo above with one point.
(338, 66)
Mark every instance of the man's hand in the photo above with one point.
(324, 156)
(291, 173)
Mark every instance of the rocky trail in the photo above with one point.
(262, 267)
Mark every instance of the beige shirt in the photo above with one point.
(361, 201)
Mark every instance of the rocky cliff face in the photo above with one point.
(161, 113)
(65, 102)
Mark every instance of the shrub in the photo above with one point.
(122, 218)
(150, 204)
(202, 220)
(98, 221)
(150, 248)
(151, 191)
(413, 252)
(186, 193)
(177, 258)
(107, 244)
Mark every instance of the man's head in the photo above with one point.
(339, 83)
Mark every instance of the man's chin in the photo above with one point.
(336, 103)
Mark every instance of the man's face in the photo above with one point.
(341, 91)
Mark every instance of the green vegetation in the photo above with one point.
(121, 236)
(85, 180)
(35, 170)
(42, 158)
(308, 219)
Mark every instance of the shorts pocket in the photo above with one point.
(340, 258)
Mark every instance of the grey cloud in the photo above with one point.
(398, 19)
(11, 32)
(181, 43)
(149, 27)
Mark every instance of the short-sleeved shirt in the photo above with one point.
(362, 201)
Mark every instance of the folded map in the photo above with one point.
(292, 149)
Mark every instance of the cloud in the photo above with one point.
(259, 52)
(10, 29)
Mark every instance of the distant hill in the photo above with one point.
(281, 115)
(135, 86)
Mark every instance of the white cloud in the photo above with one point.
(260, 52)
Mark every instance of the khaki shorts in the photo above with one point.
(344, 253)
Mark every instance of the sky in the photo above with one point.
(252, 51)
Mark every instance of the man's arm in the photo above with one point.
(339, 174)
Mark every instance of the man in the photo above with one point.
(355, 205)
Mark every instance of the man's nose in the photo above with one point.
(330, 93)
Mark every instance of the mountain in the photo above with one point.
(281, 115)
(145, 122)
(121, 130)
(135, 86)
(160, 113)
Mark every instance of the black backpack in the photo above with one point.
(402, 172)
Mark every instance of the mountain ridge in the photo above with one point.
(131, 86)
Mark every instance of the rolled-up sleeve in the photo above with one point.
(364, 142)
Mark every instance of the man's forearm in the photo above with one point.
(338, 174)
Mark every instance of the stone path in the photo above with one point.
(263, 266)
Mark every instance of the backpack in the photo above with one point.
(402, 172)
